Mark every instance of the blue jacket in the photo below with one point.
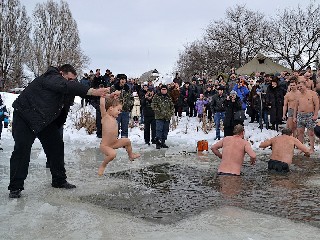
(243, 93)
(4, 115)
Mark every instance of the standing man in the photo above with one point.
(306, 112)
(37, 114)
(164, 109)
(4, 117)
(234, 149)
(126, 99)
(218, 108)
(289, 105)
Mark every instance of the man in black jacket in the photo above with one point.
(39, 112)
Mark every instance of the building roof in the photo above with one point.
(261, 63)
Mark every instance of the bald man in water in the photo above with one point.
(282, 150)
(234, 149)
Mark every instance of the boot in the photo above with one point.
(158, 144)
(163, 145)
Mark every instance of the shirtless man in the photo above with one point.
(282, 150)
(309, 83)
(289, 105)
(306, 112)
(110, 108)
(234, 149)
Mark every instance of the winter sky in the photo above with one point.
(135, 36)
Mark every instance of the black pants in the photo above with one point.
(53, 146)
(98, 122)
(149, 122)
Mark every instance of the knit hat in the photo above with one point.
(233, 92)
(164, 87)
(122, 76)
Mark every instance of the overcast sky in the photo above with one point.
(135, 36)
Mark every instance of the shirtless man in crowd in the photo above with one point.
(234, 149)
(309, 82)
(282, 150)
(306, 112)
(289, 104)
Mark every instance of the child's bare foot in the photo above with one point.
(133, 156)
(101, 170)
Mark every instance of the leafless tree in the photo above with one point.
(237, 36)
(294, 36)
(227, 43)
(55, 38)
(15, 28)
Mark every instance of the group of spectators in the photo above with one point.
(216, 100)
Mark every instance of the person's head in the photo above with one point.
(238, 130)
(286, 131)
(164, 89)
(233, 94)
(220, 90)
(274, 82)
(122, 78)
(201, 96)
(113, 106)
(233, 77)
(293, 83)
(301, 83)
(67, 72)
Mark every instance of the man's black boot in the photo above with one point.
(163, 145)
(158, 144)
(15, 194)
(65, 185)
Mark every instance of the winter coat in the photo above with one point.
(218, 103)
(46, 98)
(231, 108)
(175, 96)
(275, 101)
(85, 81)
(146, 107)
(242, 93)
(163, 106)
(200, 103)
(125, 97)
(136, 107)
(188, 96)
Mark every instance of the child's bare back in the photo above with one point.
(110, 140)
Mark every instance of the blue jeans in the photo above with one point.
(162, 129)
(123, 123)
(218, 116)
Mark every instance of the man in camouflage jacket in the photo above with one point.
(164, 109)
(126, 99)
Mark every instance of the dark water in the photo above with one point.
(166, 193)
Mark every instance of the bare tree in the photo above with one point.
(14, 34)
(55, 38)
(238, 35)
(294, 36)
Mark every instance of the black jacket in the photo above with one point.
(231, 108)
(146, 107)
(46, 98)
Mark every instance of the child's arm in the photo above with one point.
(103, 106)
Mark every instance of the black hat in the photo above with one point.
(164, 86)
(221, 87)
(122, 76)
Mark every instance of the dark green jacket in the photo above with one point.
(126, 97)
(163, 106)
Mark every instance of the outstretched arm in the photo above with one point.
(265, 144)
(103, 106)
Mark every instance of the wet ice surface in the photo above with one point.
(160, 196)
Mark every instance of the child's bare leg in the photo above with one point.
(125, 142)
(110, 155)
